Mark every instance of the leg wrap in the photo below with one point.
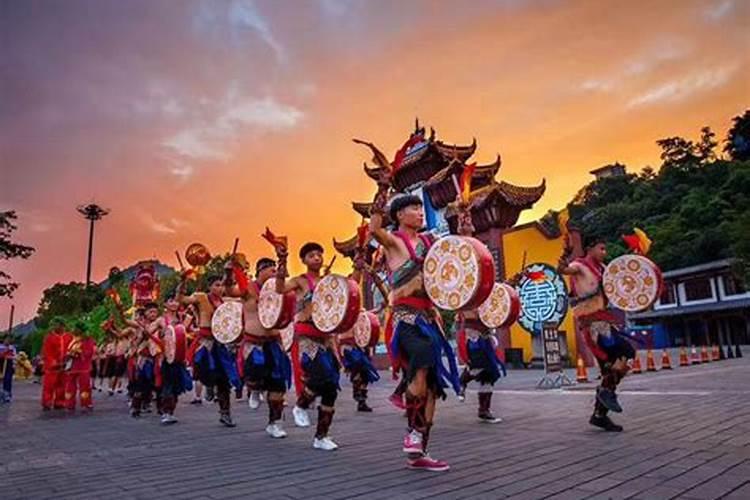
(415, 412)
(485, 401)
(325, 417)
(222, 397)
(305, 399)
(168, 404)
(275, 407)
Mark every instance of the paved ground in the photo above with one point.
(687, 435)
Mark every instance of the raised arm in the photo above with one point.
(377, 229)
(284, 285)
(180, 293)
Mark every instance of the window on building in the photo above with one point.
(667, 295)
(698, 289)
(733, 285)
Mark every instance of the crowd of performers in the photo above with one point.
(258, 362)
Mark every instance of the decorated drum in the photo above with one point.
(197, 255)
(501, 308)
(226, 323)
(175, 343)
(287, 337)
(367, 330)
(275, 310)
(632, 283)
(459, 273)
(544, 297)
(336, 304)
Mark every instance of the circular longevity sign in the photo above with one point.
(544, 297)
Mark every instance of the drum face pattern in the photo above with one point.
(333, 304)
(226, 323)
(175, 343)
(458, 273)
(287, 336)
(366, 330)
(632, 283)
(169, 344)
(270, 305)
(544, 297)
(501, 308)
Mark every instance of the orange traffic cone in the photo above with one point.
(650, 364)
(636, 369)
(695, 358)
(715, 356)
(704, 355)
(582, 376)
(666, 363)
(684, 361)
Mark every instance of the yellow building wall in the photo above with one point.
(528, 238)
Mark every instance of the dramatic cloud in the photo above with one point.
(206, 120)
(685, 87)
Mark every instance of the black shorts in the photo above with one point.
(260, 376)
(615, 347)
(419, 352)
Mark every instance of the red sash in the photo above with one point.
(204, 332)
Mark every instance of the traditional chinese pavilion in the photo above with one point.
(429, 168)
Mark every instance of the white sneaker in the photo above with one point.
(301, 418)
(275, 430)
(168, 419)
(262, 397)
(325, 444)
(253, 401)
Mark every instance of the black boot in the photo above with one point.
(485, 414)
(604, 422)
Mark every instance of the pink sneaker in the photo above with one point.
(413, 442)
(428, 463)
(397, 401)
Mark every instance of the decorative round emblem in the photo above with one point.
(287, 337)
(458, 273)
(544, 297)
(226, 323)
(333, 304)
(632, 283)
(366, 330)
(270, 305)
(501, 308)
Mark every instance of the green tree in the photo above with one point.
(10, 250)
(67, 300)
(737, 143)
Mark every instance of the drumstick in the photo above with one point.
(179, 259)
(330, 264)
(234, 248)
(456, 184)
(523, 262)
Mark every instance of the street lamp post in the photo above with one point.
(92, 212)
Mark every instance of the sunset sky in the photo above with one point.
(206, 120)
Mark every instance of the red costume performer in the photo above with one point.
(54, 349)
(78, 377)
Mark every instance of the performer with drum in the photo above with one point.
(418, 343)
(356, 344)
(592, 319)
(316, 357)
(261, 359)
(170, 333)
(142, 372)
(212, 360)
(477, 343)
